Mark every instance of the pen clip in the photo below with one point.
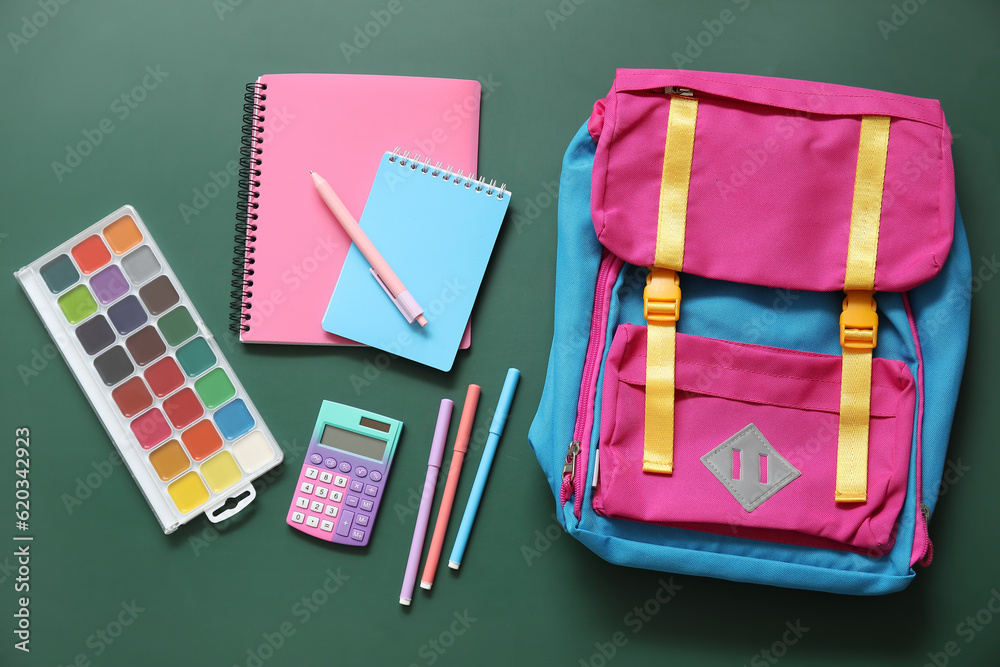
(407, 304)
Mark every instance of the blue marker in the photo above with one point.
(496, 429)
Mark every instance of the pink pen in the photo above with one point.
(385, 276)
(426, 500)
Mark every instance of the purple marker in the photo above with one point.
(426, 500)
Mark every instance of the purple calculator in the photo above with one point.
(339, 489)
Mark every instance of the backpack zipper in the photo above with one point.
(677, 90)
(572, 468)
(923, 521)
(928, 555)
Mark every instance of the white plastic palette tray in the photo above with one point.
(152, 371)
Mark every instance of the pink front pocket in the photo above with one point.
(755, 444)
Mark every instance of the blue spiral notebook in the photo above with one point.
(436, 229)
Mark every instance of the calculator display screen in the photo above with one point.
(354, 443)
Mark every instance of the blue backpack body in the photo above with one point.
(796, 320)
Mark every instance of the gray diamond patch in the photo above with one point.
(750, 467)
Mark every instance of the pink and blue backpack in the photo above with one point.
(761, 320)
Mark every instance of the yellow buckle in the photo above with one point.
(661, 299)
(859, 321)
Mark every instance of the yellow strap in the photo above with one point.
(866, 209)
(661, 305)
(661, 299)
(858, 322)
(852, 445)
(677, 155)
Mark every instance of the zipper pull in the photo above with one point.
(928, 555)
(574, 449)
(677, 90)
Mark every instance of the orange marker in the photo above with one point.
(444, 511)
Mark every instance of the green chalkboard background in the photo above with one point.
(108, 588)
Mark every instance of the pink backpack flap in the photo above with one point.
(772, 178)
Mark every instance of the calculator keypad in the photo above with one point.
(336, 500)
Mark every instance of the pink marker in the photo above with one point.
(385, 276)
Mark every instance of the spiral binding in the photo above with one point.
(447, 175)
(247, 186)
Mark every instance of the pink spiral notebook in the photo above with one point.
(289, 247)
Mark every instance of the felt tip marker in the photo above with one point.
(454, 470)
(496, 430)
(426, 500)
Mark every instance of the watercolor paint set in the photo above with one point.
(152, 371)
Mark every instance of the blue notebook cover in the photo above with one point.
(436, 230)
